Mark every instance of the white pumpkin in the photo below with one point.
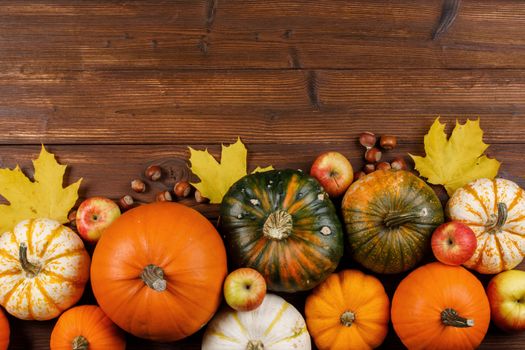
(275, 325)
(43, 269)
(495, 211)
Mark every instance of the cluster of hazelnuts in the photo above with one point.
(181, 189)
(373, 154)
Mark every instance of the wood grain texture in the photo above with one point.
(187, 107)
(79, 35)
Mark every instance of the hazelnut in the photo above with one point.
(373, 155)
(72, 218)
(388, 142)
(199, 198)
(369, 168)
(126, 202)
(383, 166)
(367, 139)
(153, 172)
(138, 186)
(399, 164)
(163, 196)
(182, 189)
(358, 175)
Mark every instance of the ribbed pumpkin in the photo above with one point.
(275, 325)
(349, 310)
(390, 216)
(158, 270)
(495, 211)
(4, 331)
(282, 224)
(86, 327)
(44, 268)
(438, 307)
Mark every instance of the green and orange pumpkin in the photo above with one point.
(389, 217)
(282, 224)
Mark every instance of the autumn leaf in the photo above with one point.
(42, 198)
(217, 178)
(457, 161)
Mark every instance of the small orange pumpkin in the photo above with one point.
(349, 310)
(4, 331)
(86, 327)
(158, 270)
(439, 306)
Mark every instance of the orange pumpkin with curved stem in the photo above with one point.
(158, 270)
(349, 310)
(439, 306)
(86, 327)
(4, 331)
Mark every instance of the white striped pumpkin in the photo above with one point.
(495, 211)
(44, 268)
(275, 325)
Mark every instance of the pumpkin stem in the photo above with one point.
(394, 219)
(347, 318)
(278, 225)
(255, 345)
(450, 317)
(500, 220)
(28, 267)
(153, 276)
(80, 343)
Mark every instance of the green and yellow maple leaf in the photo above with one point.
(217, 178)
(42, 198)
(457, 161)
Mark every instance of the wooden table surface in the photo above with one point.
(113, 86)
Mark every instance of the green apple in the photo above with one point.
(506, 293)
(244, 289)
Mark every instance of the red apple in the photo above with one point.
(453, 243)
(506, 293)
(244, 289)
(94, 215)
(334, 171)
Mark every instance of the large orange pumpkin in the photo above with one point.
(4, 331)
(349, 310)
(439, 306)
(86, 327)
(158, 270)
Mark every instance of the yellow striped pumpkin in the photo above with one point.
(274, 325)
(44, 268)
(495, 211)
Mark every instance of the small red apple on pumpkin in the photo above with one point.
(453, 243)
(94, 215)
(244, 289)
(506, 293)
(334, 172)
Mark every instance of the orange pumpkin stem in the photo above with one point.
(450, 317)
(278, 225)
(153, 276)
(347, 318)
(80, 343)
(255, 345)
(28, 267)
(394, 219)
(497, 222)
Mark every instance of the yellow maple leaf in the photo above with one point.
(217, 178)
(43, 198)
(457, 161)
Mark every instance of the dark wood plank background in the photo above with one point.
(113, 86)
